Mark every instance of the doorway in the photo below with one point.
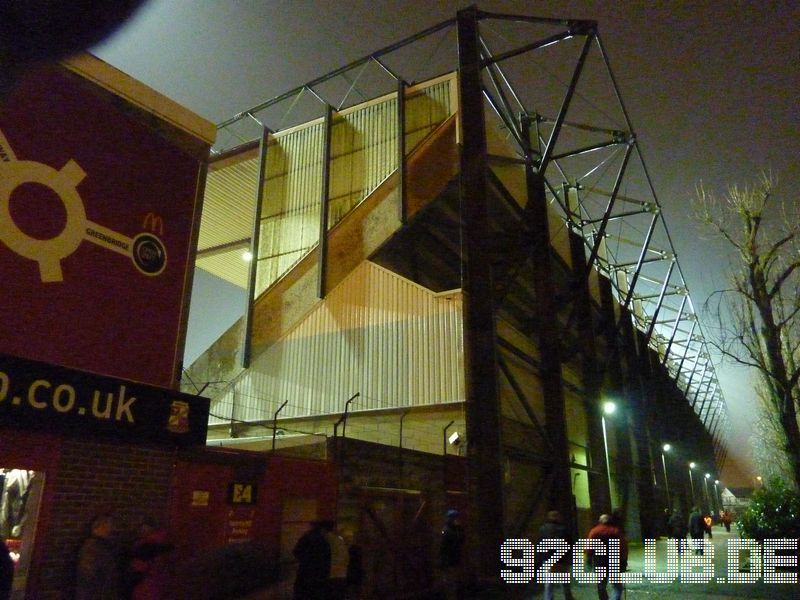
(20, 499)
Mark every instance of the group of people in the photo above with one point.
(696, 526)
(608, 527)
(107, 570)
(328, 566)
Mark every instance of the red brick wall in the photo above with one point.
(93, 477)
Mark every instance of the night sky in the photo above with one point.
(711, 89)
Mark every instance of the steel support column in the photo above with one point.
(255, 237)
(322, 257)
(401, 148)
(486, 515)
(639, 391)
(548, 335)
(591, 373)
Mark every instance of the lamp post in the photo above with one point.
(708, 494)
(717, 501)
(608, 409)
(666, 448)
(691, 481)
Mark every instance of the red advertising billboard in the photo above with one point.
(98, 216)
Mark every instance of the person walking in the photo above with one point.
(726, 520)
(337, 580)
(554, 529)
(98, 576)
(313, 554)
(6, 571)
(150, 564)
(450, 551)
(609, 527)
(697, 529)
(708, 522)
(677, 527)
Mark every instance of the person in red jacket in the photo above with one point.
(609, 527)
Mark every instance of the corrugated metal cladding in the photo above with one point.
(363, 154)
(228, 217)
(394, 342)
(290, 202)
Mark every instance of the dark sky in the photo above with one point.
(711, 88)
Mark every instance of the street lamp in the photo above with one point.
(691, 480)
(608, 409)
(717, 501)
(708, 494)
(666, 448)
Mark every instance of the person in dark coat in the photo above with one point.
(677, 527)
(150, 564)
(697, 530)
(554, 529)
(726, 519)
(6, 571)
(98, 576)
(450, 550)
(313, 554)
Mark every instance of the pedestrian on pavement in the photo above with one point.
(554, 529)
(609, 527)
(150, 564)
(664, 523)
(355, 565)
(697, 529)
(337, 580)
(726, 520)
(450, 551)
(6, 571)
(313, 554)
(98, 576)
(677, 527)
(708, 522)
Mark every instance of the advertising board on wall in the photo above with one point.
(48, 397)
(99, 210)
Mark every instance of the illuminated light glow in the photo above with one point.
(708, 475)
(650, 563)
(509, 555)
(735, 548)
(667, 447)
(704, 562)
(771, 561)
(247, 256)
(609, 408)
(692, 465)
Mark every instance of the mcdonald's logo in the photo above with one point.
(154, 223)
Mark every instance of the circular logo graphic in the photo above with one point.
(149, 254)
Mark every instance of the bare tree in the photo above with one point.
(768, 440)
(758, 314)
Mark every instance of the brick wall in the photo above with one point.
(94, 477)
(395, 503)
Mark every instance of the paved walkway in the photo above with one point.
(717, 589)
(714, 590)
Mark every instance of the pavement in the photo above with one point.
(713, 590)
